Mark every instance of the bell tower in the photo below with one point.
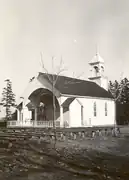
(97, 69)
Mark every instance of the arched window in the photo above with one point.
(102, 68)
(96, 69)
(105, 109)
(95, 112)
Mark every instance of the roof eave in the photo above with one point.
(88, 97)
(94, 63)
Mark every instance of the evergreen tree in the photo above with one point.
(115, 89)
(120, 92)
(124, 99)
(8, 98)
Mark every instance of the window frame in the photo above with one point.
(82, 115)
(106, 109)
(95, 109)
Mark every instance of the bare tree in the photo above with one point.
(53, 78)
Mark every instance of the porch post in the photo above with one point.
(18, 116)
(61, 116)
(35, 119)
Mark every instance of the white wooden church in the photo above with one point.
(78, 103)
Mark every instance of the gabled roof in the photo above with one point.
(77, 87)
(67, 102)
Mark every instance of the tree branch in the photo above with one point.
(44, 69)
(53, 81)
(60, 71)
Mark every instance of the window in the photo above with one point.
(102, 68)
(95, 113)
(96, 69)
(105, 109)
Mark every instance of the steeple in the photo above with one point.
(97, 65)
(97, 71)
(97, 58)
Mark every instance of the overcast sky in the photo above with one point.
(70, 28)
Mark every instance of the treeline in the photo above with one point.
(120, 93)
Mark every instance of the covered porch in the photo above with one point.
(39, 111)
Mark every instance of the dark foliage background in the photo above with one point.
(120, 92)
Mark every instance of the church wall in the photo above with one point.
(75, 114)
(104, 83)
(32, 86)
(66, 117)
(64, 112)
(88, 112)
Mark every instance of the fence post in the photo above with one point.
(75, 136)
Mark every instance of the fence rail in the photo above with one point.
(31, 123)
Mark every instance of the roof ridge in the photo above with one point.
(64, 76)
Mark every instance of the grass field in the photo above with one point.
(23, 157)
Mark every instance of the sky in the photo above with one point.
(70, 29)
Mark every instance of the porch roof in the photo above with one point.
(30, 105)
(67, 102)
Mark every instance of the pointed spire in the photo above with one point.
(96, 49)
(97, 58)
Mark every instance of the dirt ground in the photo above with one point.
(99, 158)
